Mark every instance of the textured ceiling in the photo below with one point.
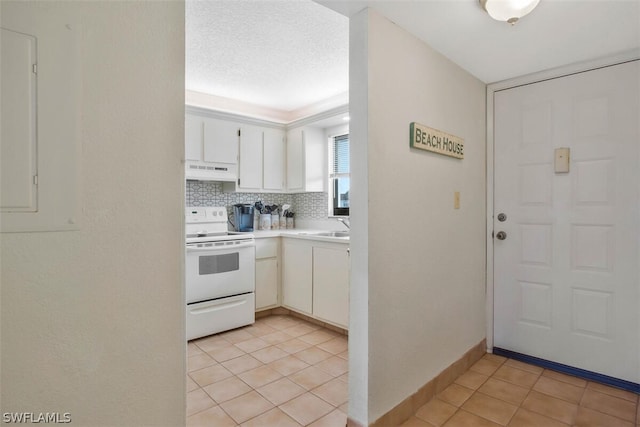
(556, 33)
(291, 54)
(283, 54)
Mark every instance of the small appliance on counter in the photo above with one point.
(243, 217)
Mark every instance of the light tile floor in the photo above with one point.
(280, 371)
(503, 392)
(284, 371)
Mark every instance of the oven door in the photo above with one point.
(219, 269)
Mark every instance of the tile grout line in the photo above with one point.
(294, 323)
(530, 389)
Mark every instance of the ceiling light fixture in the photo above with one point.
(508, 10)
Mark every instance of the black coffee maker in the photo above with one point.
(243, 217)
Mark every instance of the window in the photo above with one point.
(339, 180)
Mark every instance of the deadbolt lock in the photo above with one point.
(502, 217)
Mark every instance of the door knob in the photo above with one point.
(501, 235)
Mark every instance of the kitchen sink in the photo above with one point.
(333, 234)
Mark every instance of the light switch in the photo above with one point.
(561, 160)
(456, 200)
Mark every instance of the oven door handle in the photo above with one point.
(220, 247)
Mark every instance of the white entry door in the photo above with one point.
(566, 275)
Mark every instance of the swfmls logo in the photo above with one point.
(36, 418)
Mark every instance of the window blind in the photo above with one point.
(340, 163)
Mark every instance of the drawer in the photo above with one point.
(266, 248)
(219, 315)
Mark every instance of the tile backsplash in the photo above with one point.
(209, 193)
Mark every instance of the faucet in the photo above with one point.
(345, 221)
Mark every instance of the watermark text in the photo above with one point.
(36, 417)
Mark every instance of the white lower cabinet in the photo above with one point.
(331, 284)
(315, 279)
(267, 274)
(297, 275)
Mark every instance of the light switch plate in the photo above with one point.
(561, 160)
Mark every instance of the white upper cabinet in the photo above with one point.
(193, 136)
(315, 150)
(306, 154)
(262, 158)
(220, 141)
(254, 155)
(274, 159)
(295, 163)
(211, 148)
(250, 177)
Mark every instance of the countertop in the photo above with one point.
(300, 233)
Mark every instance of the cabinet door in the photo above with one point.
(250, 177)
(331, 284)
(295, 160)
(315, 158)
(266, 283)
(220, 141)
(273, 175)
(297, 273)
(193, 137)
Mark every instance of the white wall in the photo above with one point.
(425, 261)
(92, 321)
(359, 219)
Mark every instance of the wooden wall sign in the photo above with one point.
(429, 139)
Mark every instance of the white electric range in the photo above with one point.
(220, 273)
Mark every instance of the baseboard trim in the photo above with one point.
(570, 370)
(285, 311)
(405, 409)
(353, 423)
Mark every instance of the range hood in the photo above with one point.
(207, 171)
